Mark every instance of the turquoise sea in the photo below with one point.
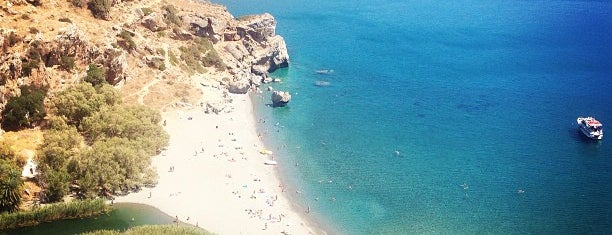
(479, 98)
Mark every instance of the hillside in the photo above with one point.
(154, 52)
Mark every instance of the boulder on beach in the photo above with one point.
(280, 98)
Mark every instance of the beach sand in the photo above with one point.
(213, 175)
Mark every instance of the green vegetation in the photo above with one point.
(68, 210)
(67, 62)
(173, 59)
(24, 110)
(11, 184)
(13, 39)
(154, 230)
(31, 62)
(82, 100)
(146, 11)
(66, 20)
(199, 54)
(100, 8)
(128, 42)
(99, 144)
(96, 75)
(170, 16)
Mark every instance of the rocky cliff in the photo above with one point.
(153, 51)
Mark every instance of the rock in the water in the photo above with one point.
(321, 83)
(280, 98)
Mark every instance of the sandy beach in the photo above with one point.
(213, 175)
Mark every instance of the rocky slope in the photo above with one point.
(154, 51)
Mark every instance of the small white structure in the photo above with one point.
(29, 170)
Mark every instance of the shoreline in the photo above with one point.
(212, 175)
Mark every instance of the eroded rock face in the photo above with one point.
(239, 87)
(257, 27)
(154, 22)
(205, 26)
(117, 66)
(280, 98)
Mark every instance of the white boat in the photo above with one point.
(270, 162)
(590, 127)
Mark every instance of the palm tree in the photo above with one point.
(11, 186)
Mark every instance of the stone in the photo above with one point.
(239, 87)
(156, 62)
(117, 66)
(204, 26)
(154, 22)
(280, 98)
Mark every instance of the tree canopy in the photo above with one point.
(98, 143)
(82, 100)
(24, 110)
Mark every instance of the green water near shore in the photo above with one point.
(120, 218)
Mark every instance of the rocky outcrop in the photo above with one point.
(117, 66)
(239, 87)
(205, 26)
(280, 98)
(154, 22)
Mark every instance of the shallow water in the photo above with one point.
(124, 216)
(479, 98)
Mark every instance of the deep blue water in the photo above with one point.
(480, 99)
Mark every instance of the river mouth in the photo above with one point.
(122, 217)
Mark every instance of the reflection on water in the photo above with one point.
(124, 216)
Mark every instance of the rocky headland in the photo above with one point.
(157, 53)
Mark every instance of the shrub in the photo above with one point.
(171, 17)
(10, 187)
(34, 30)
(78, 3)
(146, 11)
(24, 110)
(96, 75)
(128, 42)
(67, 20)
(173, 59)
(25, 17)
(13, 39)
(100, 8)
(67, 62)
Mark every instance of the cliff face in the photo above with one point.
(153, 51)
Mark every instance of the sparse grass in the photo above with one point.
(23, 141)
(161, 51)
(171, 15)
(173, 59)
(200, 54)
(161, 34)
